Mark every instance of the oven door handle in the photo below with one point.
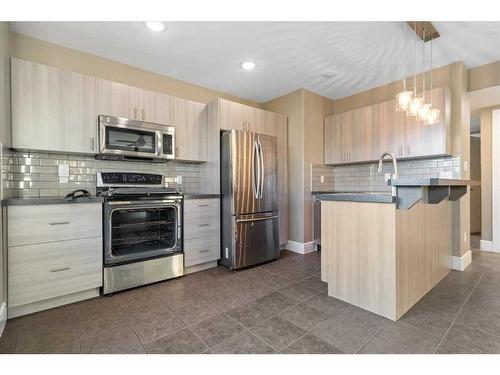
(142, 203)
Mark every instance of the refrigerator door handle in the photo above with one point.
(262, 174)
(257, 219)
(255, 172)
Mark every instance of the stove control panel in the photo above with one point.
(129, 179)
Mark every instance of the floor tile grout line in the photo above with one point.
(131, 325)
(458, 313)
(78, 333)
(371, 338)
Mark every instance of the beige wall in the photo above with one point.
(486, 174)
(28, 48)
(306, 112)
(484, 76)
(292, 106)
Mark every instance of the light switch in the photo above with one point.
(322, 179)
(178, 180)
(63, 173)
(466, 166)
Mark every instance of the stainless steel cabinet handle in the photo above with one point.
(204, 251)
(203, 205)
(203, 225)
(135, 113)
(92, 144)
(60, 223)
(59, 269)
(408, 150)
(143, 114)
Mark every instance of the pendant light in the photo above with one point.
(425, 107)
(432, 116)
(416, 102)
(404, 97)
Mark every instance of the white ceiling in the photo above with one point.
(289, 55)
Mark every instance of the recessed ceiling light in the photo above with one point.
(155, 25)
(330, 74)
(248, 65)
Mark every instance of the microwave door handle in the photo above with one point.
(261, 157)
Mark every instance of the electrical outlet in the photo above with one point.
(466, 166)
(322, 179)
(465, 236)
(63, 173)
(178, 180)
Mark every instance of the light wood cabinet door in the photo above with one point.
(155, 107)
(52, 109)
(5, 128)
(357, 134)
(430, 140)
(256, 120)
(232, 115)
(117, 100)
(190, 122)
(388, 129)
(334, 151)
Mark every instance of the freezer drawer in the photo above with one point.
(253, 241)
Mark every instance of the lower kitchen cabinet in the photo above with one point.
(59, 262)
(201, 231)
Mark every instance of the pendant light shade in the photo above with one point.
(403, 100)
(414, 106)
(423, 111)
(432, 117)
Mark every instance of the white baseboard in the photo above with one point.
(461, 263)
(301, 248)
(485, 245)
(3, 317)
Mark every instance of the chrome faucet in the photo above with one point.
(394, 164)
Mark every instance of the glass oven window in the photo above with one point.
(142, 232)
(130, 140)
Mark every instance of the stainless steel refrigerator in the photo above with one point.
(249, 199)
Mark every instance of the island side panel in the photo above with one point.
(358, 242)
(423, 257)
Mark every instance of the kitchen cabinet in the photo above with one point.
(423, 140)
(52, 109)
(54, 255)
(334, 152)
(241, 117)
(388, 129)
(190, 122)
(5, 128)
(361, 135)
(201, 231)
(120, 100)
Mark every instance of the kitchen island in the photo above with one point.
(383, 252)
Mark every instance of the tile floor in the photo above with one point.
(279, 307)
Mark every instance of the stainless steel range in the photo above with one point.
(142, 222)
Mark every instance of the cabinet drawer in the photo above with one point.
(201, 226)
(54, 255)
(200, 206)
(58, 222)
(201, 250)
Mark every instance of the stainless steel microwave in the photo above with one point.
(122, 139)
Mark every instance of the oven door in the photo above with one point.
(129, 140)
(138, 231)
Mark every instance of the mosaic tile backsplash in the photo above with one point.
(364, 177)
(34, 174)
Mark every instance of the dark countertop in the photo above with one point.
(371, 197)
(432, 182)
(48, 200)
(201, 196)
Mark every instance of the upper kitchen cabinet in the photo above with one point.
(5, 128)
(430, 140)
(388, 129)
(357, 134)
(334, 153)
(119, 100)
(363, 134)
(52, 109)
(241, 117)
(190, 122)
